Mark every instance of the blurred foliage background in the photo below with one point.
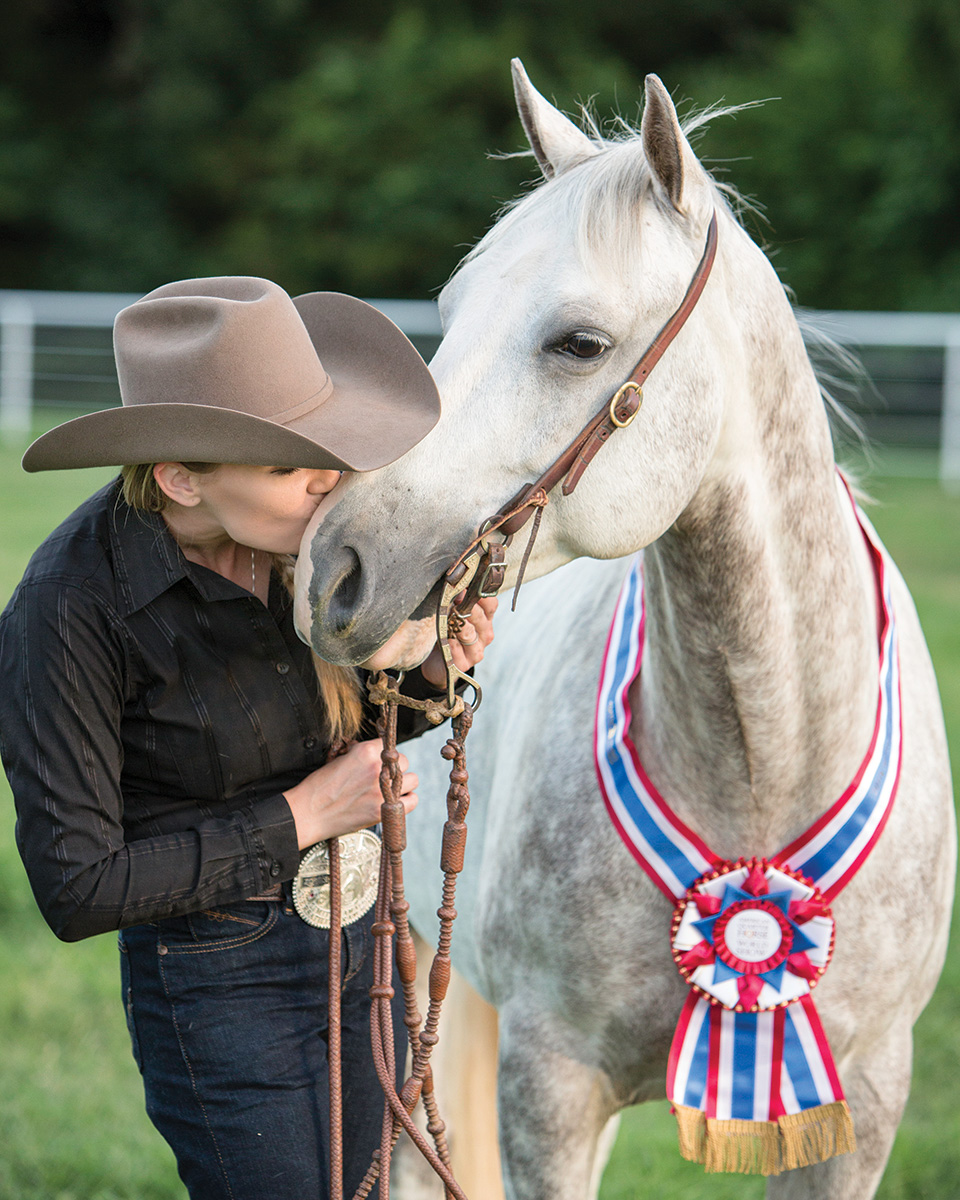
(343, 145)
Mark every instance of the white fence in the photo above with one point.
(938, 331)
(29, 368)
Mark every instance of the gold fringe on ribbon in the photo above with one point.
(765, 1147)
(691, 1132)
(817, 1134)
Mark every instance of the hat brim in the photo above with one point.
(383, 402)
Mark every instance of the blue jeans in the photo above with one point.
(227, 1012)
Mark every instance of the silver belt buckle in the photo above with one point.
(359, 879)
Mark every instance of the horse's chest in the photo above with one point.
(566, 906)
(586, 945)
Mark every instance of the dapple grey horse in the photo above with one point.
(758, 692)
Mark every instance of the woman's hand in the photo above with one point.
(467, 648)
(344, 795)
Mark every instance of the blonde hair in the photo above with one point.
(339, 687)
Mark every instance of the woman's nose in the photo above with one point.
(322, 482)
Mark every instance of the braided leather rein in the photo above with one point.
(478, 572)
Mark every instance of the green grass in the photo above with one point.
(72, 1125)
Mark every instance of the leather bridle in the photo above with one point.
(617, 413)
(478, 572)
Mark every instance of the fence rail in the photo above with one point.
(55, 347)
(936, 334)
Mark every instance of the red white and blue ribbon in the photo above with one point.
(750, 1073)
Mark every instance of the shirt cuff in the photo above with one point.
(270, 827)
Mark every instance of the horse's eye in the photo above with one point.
(584, 345)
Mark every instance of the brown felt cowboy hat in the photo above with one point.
(233, 370)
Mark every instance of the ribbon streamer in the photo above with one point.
(750, 1076)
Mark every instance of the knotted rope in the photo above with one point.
(391, 930)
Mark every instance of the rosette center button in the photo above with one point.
(753, 935)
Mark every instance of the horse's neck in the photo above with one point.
(759, 685)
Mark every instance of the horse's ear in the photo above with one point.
(668, 152)
(556, 142)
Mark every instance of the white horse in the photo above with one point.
(758, 693)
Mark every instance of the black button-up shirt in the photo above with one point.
(151, 714)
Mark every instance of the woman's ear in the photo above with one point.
(177, 483)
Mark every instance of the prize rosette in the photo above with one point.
(751, 1077)
(750, 1074)
(751, 937)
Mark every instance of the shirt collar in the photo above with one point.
(148, 561)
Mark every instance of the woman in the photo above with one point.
(166, 734)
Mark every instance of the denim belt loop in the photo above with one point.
(273, 893)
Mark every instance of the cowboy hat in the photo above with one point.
(229, 370)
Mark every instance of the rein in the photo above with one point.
(478, 573)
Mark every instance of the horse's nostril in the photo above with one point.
(343, 603)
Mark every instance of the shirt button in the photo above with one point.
(282, 668)
(309, 743)
(274, 870)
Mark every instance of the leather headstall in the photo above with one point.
(478, 572)
(617, 413)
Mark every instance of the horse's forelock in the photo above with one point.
(599, 196)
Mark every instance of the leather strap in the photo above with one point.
(621, 409)
(482, 575)
(617, 413)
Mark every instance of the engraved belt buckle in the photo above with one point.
(359, 879)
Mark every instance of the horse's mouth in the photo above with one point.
(339, 640)
(428, 605)
(412, 641)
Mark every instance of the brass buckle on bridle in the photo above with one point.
(630, 385)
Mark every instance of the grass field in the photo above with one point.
(72, 1125)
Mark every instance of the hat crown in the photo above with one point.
(234, 342)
